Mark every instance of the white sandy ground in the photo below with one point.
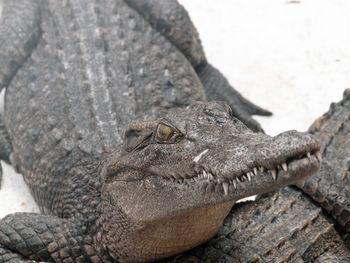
(291, 58)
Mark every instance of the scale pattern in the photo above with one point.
(289, 226)
(331, 186)
(78, 103)
(80, 75)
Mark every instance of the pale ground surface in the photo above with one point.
(291, 58)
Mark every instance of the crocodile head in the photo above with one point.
(178, 177)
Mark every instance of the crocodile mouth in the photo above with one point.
(160, 205)
(249, 182)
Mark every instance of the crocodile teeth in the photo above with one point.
(255, 171)
(319, 156)
(284, 167)
(211, 177)
(261, 169)
(274, 174)
(234, 184)
(308, 154)
(205, 175)
(249, 176)
(225, 186)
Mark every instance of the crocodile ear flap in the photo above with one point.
(138, 135)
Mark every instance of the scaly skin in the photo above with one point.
(288, 226)
(79, 74)
(331, 187)
(200, 172)
(156, 184)
(172, 21)
(282, 227)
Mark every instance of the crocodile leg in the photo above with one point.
(170, 19)
(19, 34)
(28, 236)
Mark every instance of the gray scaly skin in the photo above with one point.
(289, 226)
(155, 189)
(108, 121)
(331, 187)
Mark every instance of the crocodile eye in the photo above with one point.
(164, 132)
(229, 110)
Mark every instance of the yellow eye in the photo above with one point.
(229, 110)
(164, 132)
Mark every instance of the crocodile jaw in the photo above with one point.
(151, 230)
(257, 181)
(153, 187)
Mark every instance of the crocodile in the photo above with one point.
(129, 140)
(305, 224)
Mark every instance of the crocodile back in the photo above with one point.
(96, 67)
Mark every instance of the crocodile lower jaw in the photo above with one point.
(177, 233)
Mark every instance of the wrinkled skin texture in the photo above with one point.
(108, 123)
(177, 165)
(289, 226)
(331, 187)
